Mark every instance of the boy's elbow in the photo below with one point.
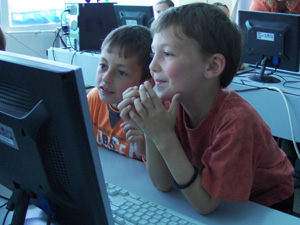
(163, 186)
(205, 211)
(207, 208)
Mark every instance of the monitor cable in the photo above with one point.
(5, 217)
(1, 206)
(289, 116)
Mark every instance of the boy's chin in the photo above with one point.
(164, 96)
(109, 101)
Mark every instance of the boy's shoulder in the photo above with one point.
(93, 95)
(94, 100)
(230, 100)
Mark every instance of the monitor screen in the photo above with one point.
(270, 40)
(48, 152)
(134, 15)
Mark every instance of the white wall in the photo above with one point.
(30, 43)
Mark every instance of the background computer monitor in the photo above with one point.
(89, 24)
(48, 152)
(134, 14)
(270, 40)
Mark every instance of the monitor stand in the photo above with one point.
(262, 78)
(18, 203)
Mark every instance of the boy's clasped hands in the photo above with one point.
(142, 109)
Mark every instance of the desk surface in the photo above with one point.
(132, 175)
(270, 104)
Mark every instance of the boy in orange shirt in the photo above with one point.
(124, 62)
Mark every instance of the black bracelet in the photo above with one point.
(196, 171)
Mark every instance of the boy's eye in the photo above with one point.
(102, 66)
(152, 54)
(122, 73)
(167, 53)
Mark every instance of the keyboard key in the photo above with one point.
(143, 222)
(119, 220)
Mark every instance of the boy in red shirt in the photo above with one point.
(208, 141)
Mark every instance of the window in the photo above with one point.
(34, 12)
(41, 14)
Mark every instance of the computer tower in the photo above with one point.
(88, 24)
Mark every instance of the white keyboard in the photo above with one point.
(128, 208)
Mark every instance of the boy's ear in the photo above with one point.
(216, 65)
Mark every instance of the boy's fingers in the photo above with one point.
(151, 93)
(149, 88)
(145, 100)
(143, 94)
(130, 92)
(122, 125)
(125, 103)
(130, 89)
(174, 105)
(125, 113)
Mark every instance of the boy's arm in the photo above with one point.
(164, 150)
(183, 171)
(157, 168)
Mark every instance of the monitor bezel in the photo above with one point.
(33, 170)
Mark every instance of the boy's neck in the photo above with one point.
(199, 108)
(114, 106)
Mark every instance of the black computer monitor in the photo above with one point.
(48, 152)
(134, 15)
(89, 24)
(270, 40)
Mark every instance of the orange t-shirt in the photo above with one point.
(106, 124)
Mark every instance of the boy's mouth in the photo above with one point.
(106, 91)
(159, 82)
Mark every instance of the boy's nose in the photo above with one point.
(108, 76)
(154, 66)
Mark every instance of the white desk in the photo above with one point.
(270, 105)
(131, 175)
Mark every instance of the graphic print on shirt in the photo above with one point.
(110, 140)
(111, 136)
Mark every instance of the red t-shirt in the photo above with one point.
(241, 161)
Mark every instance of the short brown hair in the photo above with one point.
(132, 40)
(211, 28)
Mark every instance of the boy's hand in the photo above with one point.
(133, 134)
(126, 105)
(151, 115)
(136, 138)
